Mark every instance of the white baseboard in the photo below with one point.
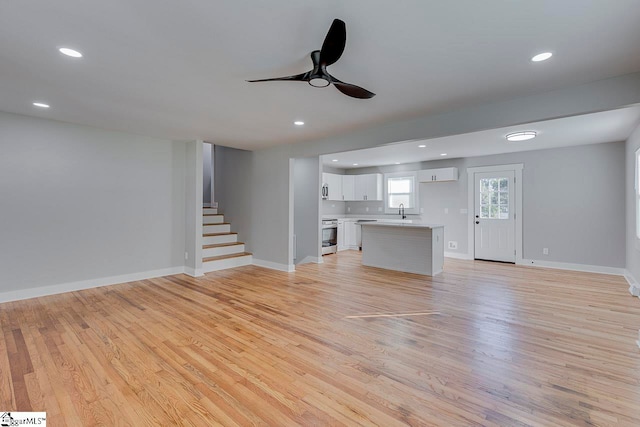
(457, 255)
(193, 272)
(311, 259)
(574, 267)
(274, 265)
(634, 287)
(86, 284)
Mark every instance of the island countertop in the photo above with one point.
(382, 223)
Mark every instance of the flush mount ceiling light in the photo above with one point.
(355, 164)
(298, 123)
(542, 56)
(40, 104)
(521, 136)
(443, 154)
(334, 160)
(70, 52)
(421, 146)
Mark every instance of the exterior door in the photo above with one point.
(494, 216)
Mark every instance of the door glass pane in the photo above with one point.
(494, 198)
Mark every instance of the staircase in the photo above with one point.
(220, 247)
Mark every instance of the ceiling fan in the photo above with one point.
(331, 51)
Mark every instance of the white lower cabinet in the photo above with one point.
(350, 236)
(341, 240)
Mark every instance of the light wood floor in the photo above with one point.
(511, 346)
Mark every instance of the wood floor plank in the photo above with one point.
(502, 345)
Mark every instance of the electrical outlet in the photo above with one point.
(333, 206)
(446, 210)
(379, 209)
(453, 244)
(348, 209)
(366, 209)
(545, 251)
(186, 255)
(421, 210)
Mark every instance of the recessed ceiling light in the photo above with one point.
(70, 52)
(521, 136)
(397, 163)
(443, 154)
(542, 56)
(421, 146)
(334, 160)
(355, 164)
(298, 123)
(41, 104)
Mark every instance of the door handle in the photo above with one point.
(477, 216)
(477, 222)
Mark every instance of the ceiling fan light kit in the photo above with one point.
(331, 51)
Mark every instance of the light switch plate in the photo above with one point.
(464, 211)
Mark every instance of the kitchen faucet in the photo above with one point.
(401, 211)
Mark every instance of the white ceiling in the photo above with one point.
(177, 69)
(607, 126)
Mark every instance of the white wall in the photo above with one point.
(632, 242)
(79, 204)
(270, 167)
(306, 175)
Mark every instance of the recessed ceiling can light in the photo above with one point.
(521, 136)
(70, 52)
(41, 104)
(334, 160)
(443, 154)
(542, 56)
(397, 163)
(355, 164)
(421, 146)
(298, 123)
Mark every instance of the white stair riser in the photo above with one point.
(212, 219)
(215, 240)
(216, 228)
(222, 264)
(210, 210)
(222, 250)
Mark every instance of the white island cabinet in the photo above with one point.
(409, 247)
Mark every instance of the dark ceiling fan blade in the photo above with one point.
(353, 90)
(299, 77)
(334, 43)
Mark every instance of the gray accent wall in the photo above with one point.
(632, 241)
(234, 191)
(79, 203)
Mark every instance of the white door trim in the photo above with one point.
(517, 169)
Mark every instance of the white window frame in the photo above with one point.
(415, 193)
(637, 190)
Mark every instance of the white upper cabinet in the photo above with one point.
(435, 175)
(334, 186)
(368, 187)
(352, 187)
(349, 187)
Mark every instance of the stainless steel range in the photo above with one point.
(329, 236)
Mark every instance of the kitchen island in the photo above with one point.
(409, 247)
